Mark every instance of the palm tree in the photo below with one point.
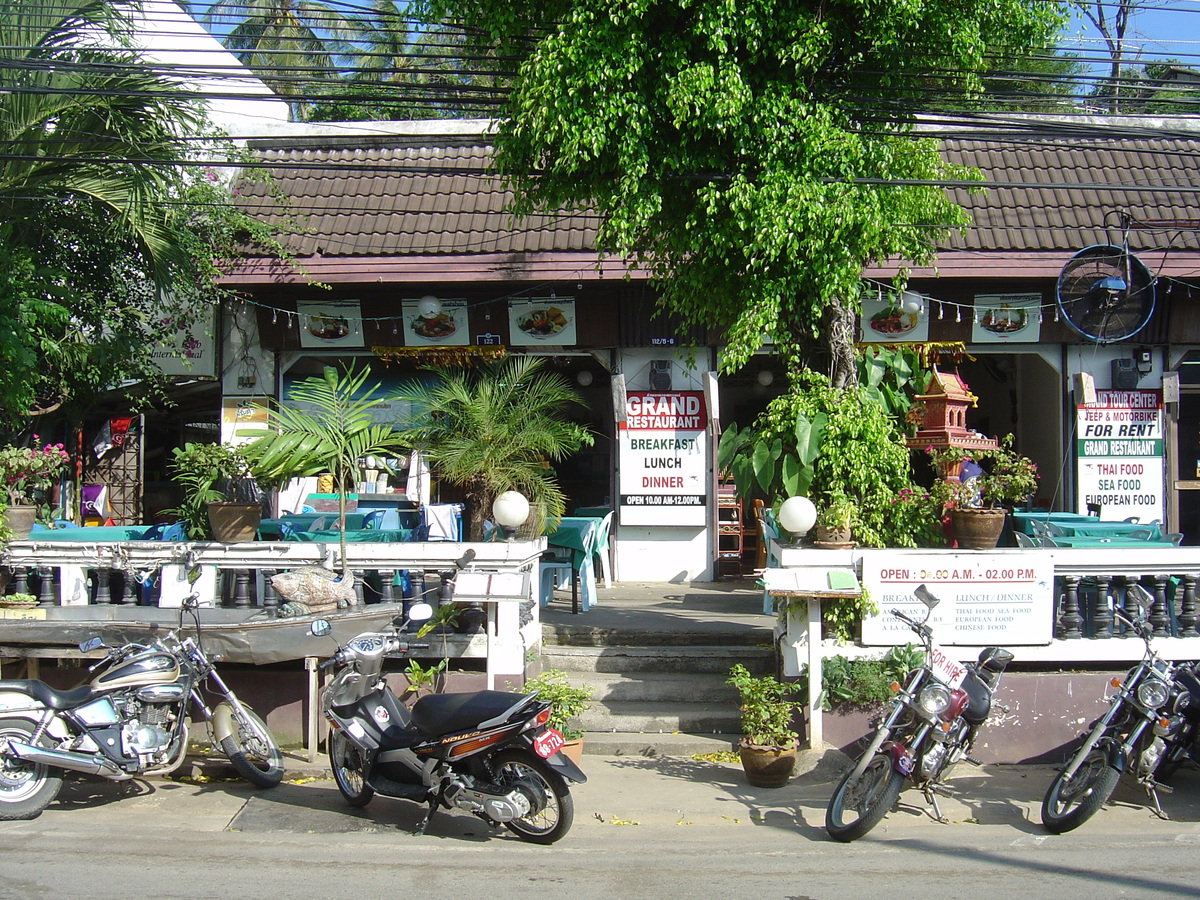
(496, 429)
(328, 429)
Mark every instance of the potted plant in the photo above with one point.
(768, 744)
(221, 499)
(834, 521)
(982, 486)
(328, 429)
(567, 704)
(29, 474)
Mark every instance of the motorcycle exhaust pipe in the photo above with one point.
(75, 762)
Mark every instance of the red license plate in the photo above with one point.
(548, 743)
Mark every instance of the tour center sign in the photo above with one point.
(1001, 599)
(663, 458)
(1120, 455)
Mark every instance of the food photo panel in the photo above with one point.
(330, 323)
(1005, 318)
(546, 320)
(431, 321)
(896, 316)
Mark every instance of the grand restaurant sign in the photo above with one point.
(663, 458)
(1120, 455)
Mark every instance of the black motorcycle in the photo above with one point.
(1150, 728)
(489, 753)
(130, 719)
(929, 726)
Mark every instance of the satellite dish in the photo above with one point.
(1105, 293)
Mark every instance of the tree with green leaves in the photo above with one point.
(495, 429)
(104, 233)
(753, 156)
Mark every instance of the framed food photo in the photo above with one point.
(434, 322)
(541, 320)
(330, 323)
(1006, 318)
(885, 319)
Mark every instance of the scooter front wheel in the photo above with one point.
(26, 788)
(346, 760)
(858, 804)
(553, 809)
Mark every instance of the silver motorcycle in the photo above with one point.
(129, 720)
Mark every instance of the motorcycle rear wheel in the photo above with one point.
(553, 820)
(1068, 804)
(253, 751)
(347, 763)
(871, 796)
(25, 788)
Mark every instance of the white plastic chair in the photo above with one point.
(602, 549)
(1024, 540)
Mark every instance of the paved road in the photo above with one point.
(670, 827)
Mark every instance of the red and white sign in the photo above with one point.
(663, 458)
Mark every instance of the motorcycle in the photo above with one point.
(929, 726)
(1149, 729)
(489, 753)
(129, 720)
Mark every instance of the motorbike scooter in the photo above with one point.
(489, 753)
(130, 719)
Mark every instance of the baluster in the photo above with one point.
(46, 596)
(270, 599)
(359, 599)
(1071, 619)
(387, 592)
(22, 580)
(1187, 609)
(128, 595)
(103, 586)
(1102, 616)
(1160, 618)
(241, 588)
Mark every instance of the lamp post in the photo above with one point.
(796, 516)
(510, 510)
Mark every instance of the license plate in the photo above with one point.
(548, 743)
(945, 668)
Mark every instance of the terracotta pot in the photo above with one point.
(234, 523)
(19, 519)
(977, 529)
(573, 750)
(769, 767)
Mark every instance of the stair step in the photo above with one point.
(640, 744)
(649, 716)
(662, 687)
(588, 636)
(696, 659)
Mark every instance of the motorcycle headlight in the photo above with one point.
(1153, 693)
(934, 699)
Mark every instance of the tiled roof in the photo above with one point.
(381, 197)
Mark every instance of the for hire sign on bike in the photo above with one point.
(1000, 599)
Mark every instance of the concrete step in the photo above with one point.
(655, 686)
(626, 744)
(588, 636)
(715, 660)
(654, 716)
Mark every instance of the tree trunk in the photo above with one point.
(832, 350)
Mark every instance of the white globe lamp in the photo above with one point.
(797, 515)
(510, 510)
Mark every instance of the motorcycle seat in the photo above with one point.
(43, 693)
(436, 714)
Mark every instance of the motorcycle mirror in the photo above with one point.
(91, 644)
(925, 597)
(1144, 598)
(320, 627)
(420, 612)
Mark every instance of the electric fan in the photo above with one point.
(1105, 293)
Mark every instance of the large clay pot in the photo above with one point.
(769, 767)
(20, 519)
(977, 529)
(234, 523)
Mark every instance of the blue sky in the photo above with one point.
(1172, 29)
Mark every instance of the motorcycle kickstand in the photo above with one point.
(424, 823)
(1152, 789)
(931, 798)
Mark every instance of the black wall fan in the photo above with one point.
(1105, 293)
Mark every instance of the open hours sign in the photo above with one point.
(986, 598)
(663, 459)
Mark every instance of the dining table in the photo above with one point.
(1101, 542)
(356, 536)
(1109, 529)
(577, 536)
